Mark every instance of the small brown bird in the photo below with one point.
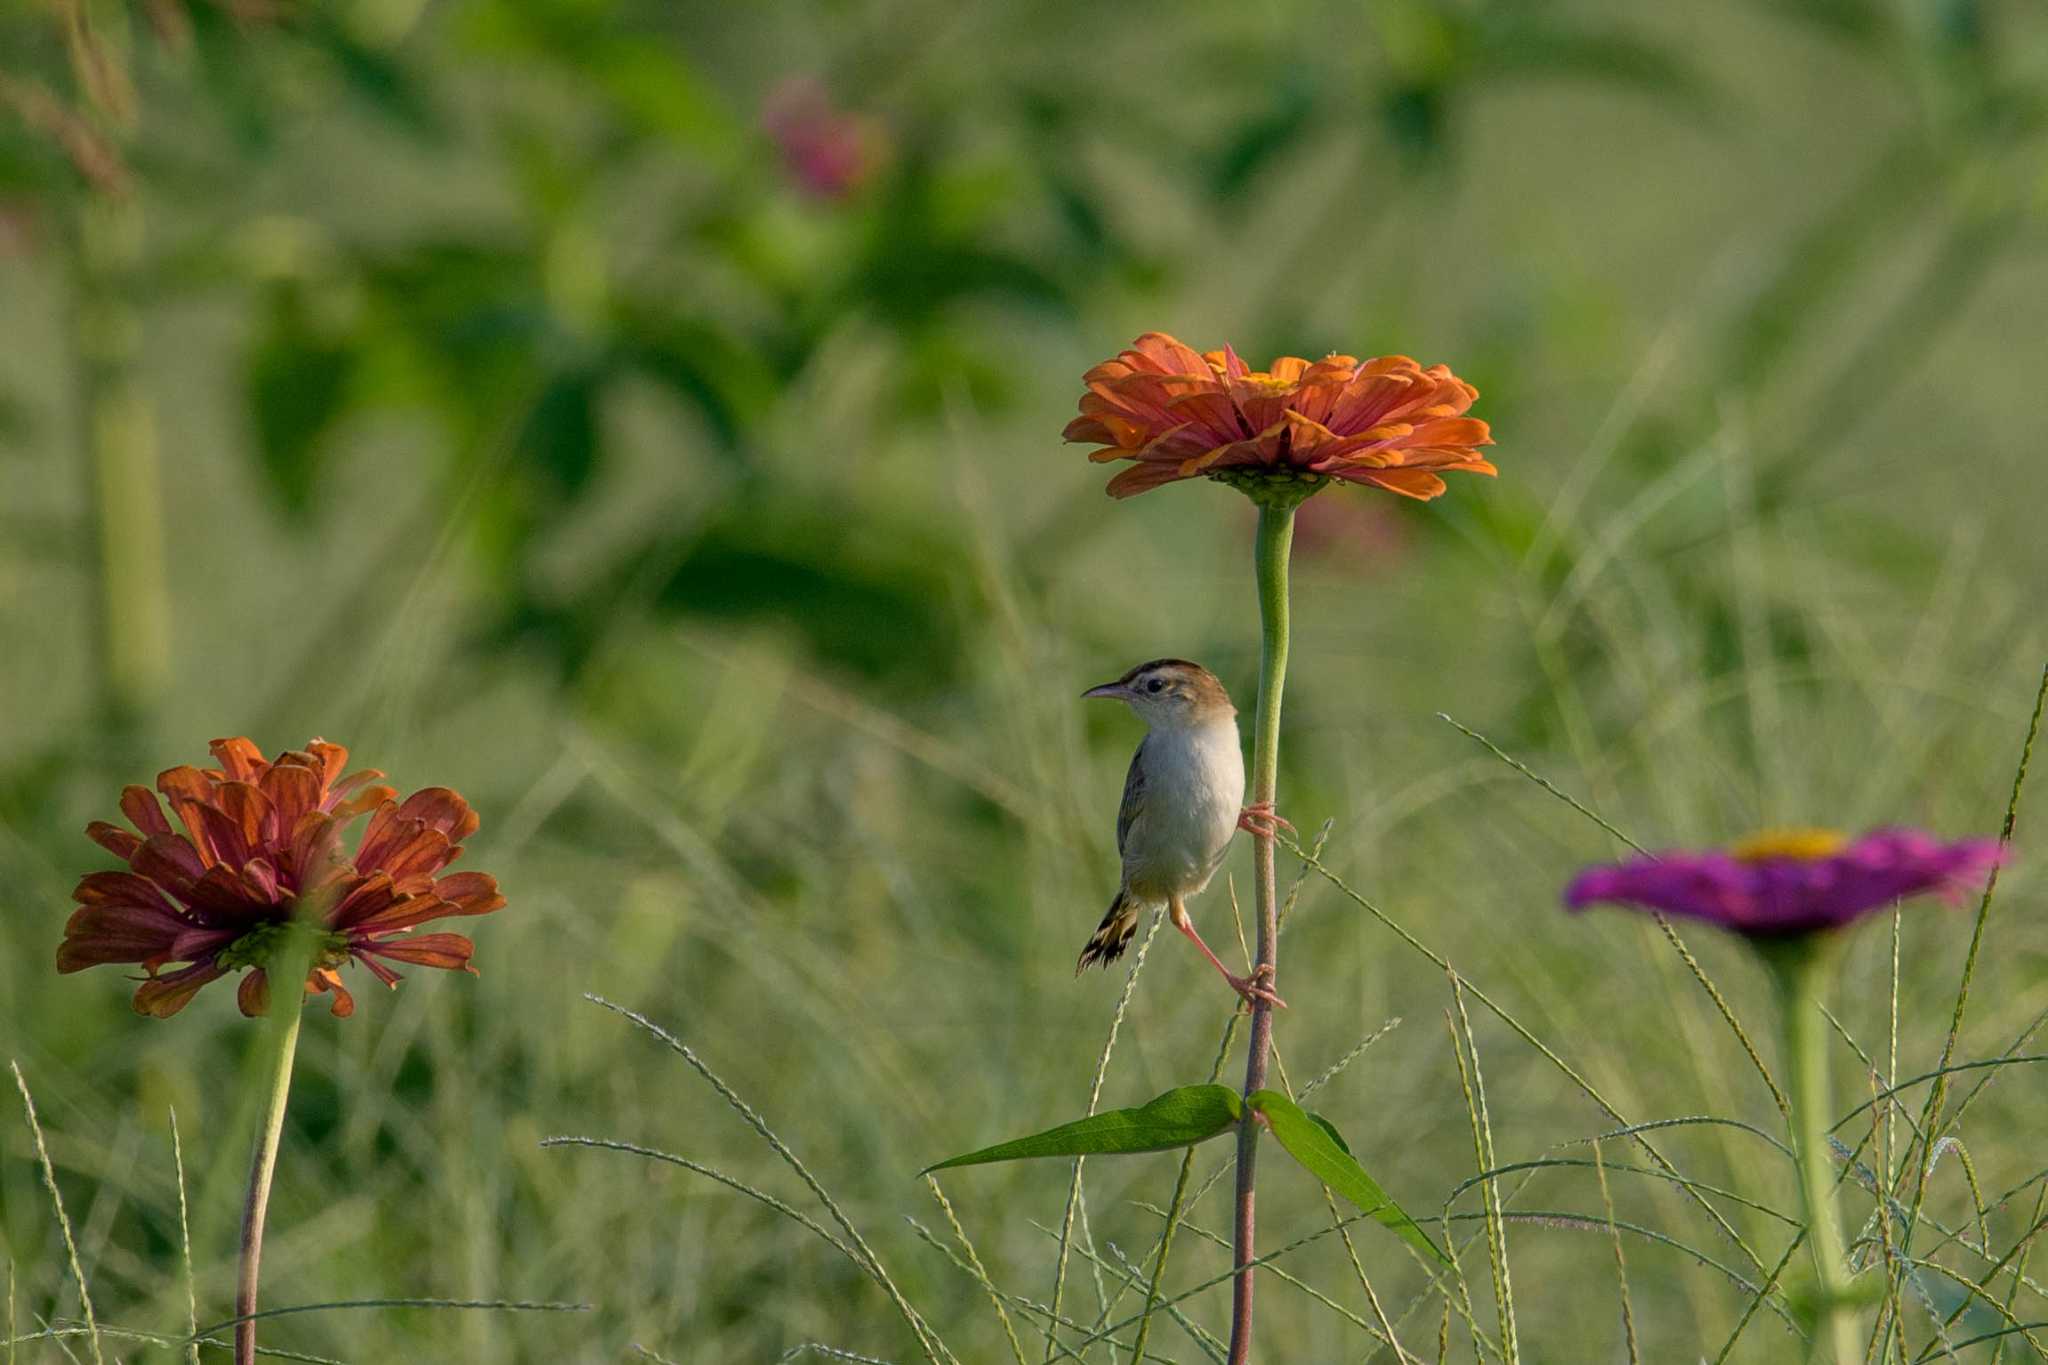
(1182, 802)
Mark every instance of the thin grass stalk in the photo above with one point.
(1275, 541)
(815, 1348)
(185, 1240)
(1086, 1243)
(1522, 1031)
(35, 1128)
(1628, 1315)
(1884, 1340)
(1670, 932)
(2019, 1273)
(1881, 1137)
(1209, 1344)
(1123, 1003)
(738, 1186)
(1372, 1298)
(1761, 1296)
(1977, 1288)
(1473, 1082)
(1322, 838)
(59, 1334)
(1547, 1163)
(1028, 1306)
(332, 1305)
(1973, 1291)
(1930, 1114)
(1106, 1332)
(980, 1271)
(1464, 1302)
(927, 1340)
(1289, 1279)
(1891, 1070)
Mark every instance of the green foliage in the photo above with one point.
(298, 382)
(1195, 1113)
(1179, 1118)
(1313, 1141)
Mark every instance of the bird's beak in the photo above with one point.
(1116, 691)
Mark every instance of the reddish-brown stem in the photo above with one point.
(1276, 538)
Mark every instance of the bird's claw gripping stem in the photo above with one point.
(1253, 988)
(1259, 818)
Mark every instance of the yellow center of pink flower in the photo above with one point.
(1806, 845)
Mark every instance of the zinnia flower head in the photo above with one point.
(1790, 883)
(1387, 423)
(261, 847)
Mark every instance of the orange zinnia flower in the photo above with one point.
(262, 848)
(1386, 422)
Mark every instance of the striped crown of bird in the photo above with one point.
(1183, 800)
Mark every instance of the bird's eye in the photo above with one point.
(1156, 685)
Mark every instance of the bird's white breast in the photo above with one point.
(1194, 789)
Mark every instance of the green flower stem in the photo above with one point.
(1802, 968)
(287, 976)
(1276, 539)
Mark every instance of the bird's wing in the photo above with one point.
(1134, 797)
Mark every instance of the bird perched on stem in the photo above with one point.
(1182, 802)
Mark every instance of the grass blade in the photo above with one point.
(928, 1342)
(28, 1105)
(185, 1240)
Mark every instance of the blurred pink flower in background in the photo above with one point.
(1353, 532)
(828, 151)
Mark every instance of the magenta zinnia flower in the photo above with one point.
(261, 847)
(1790, 883)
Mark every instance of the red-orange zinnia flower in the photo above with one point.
(261, 847)
(1387, 422)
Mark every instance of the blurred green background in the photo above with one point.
(644, 418)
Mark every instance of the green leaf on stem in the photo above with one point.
(1179, 1118)
(1311, 1140)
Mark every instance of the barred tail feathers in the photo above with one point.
(1113, 935)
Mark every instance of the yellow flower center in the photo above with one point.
(1266, 383)
(1807, 845)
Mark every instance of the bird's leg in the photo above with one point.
(1260, 819)
(1249, 988)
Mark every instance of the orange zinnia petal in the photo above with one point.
(1385, 421)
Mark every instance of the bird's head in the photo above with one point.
(1170, 692)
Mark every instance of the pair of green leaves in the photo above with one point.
(1196, 1113)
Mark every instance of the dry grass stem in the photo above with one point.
(28, 1106)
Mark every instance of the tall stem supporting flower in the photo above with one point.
(1275, 541)
(1802, 969)
(287, 975)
